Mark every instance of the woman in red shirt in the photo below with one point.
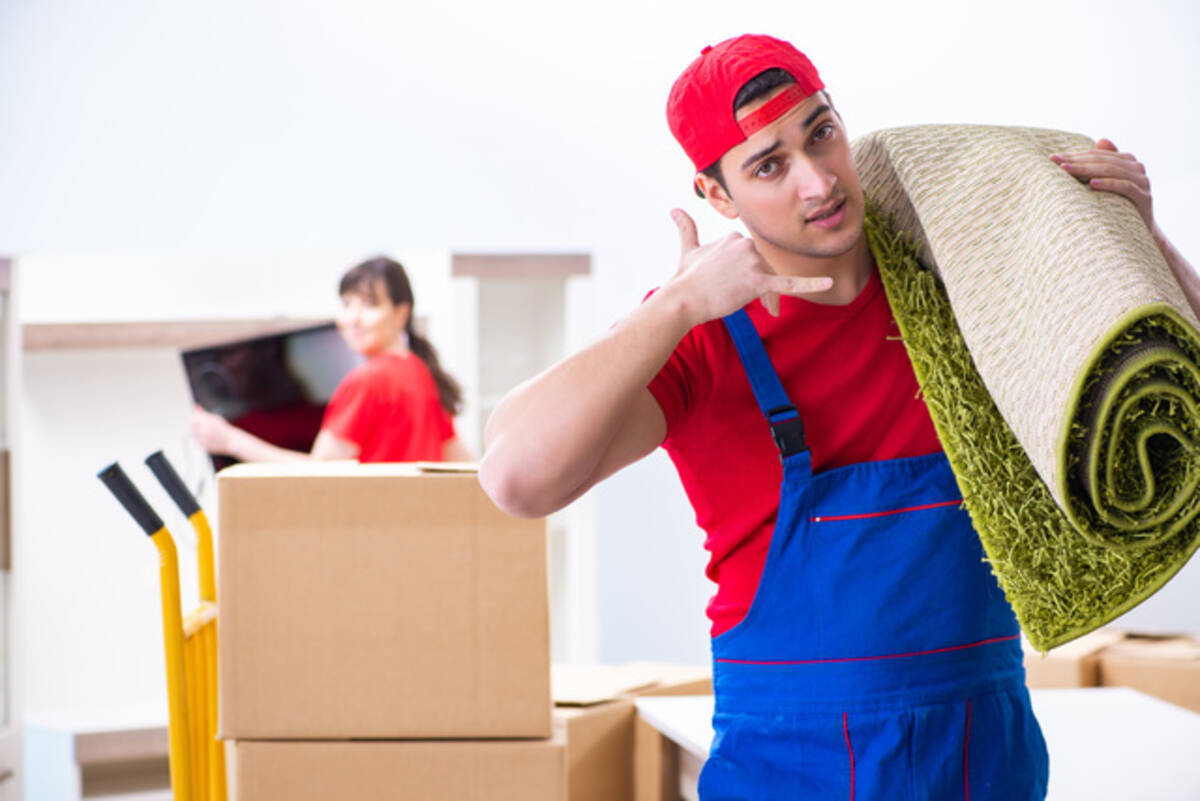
(397, 406)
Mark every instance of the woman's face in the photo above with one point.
(371, 324)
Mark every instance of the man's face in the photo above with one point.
(793, 183)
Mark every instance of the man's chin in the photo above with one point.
(816, 243)
(832, 244)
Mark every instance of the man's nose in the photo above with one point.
(813, 182)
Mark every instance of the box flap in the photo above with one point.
(584, 685)
(448, 467)
(318, 469)
(669, 673)
(337, 468)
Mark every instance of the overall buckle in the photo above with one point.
(788, 434)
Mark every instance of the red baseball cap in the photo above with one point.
(700, 107)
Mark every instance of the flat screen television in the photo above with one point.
(276, 386)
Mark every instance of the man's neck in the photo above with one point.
(850, 271)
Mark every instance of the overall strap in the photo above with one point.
(786, 427)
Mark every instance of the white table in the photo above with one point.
(1105, 743)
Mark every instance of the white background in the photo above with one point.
(357, 126)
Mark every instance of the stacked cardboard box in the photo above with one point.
(1163, 666)
(1074, 664)
(384, 633)
(611, 754)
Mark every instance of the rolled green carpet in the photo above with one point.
(1058, 358)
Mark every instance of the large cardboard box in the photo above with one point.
(378, 601)
(1165, 667)
(607, 753)
(383, 770)
(1074, 664)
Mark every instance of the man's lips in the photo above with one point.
(829, 216)
(827, 210)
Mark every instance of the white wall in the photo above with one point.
(87, 575)
(520, 126)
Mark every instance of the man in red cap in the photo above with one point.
(861, 647)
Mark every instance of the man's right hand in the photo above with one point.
(556, 435)
(724, 275)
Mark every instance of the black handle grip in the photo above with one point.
(172, 483)
(120, 486)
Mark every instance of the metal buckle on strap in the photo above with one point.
(788, 434)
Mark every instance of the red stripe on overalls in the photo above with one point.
(966, 748)
(868, 658)
(850, 748)
(864, 516)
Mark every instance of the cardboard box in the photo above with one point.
(609, 755)
(377, 601)
(655, 765)
(599, 749)
(654, 756)
(461, 770)
(1165, 667)
(1073, 664)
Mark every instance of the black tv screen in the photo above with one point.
(276, 387)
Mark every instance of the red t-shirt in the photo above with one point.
(846, 371)
(389, 407)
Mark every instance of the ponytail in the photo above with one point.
(449, 392)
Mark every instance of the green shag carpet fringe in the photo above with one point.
(1131, 453)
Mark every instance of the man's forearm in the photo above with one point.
(548, 436)
(1181, 269)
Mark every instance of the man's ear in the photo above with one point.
(712, 191)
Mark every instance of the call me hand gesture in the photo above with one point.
(724, 275)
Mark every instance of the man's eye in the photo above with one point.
(824, 132)
(766, 169)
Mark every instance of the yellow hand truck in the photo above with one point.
(197, 757)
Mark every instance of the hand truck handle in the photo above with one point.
(119, 485)
(172, 483)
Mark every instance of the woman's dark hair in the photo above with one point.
(362, 279)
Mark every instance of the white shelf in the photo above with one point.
(182, 334)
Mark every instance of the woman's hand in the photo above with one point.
(722, 276)
(212, 431)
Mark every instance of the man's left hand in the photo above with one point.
(1110, 170)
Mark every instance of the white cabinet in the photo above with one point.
(519, 314)
(10, 736)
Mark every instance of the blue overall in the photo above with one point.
(879, 659)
